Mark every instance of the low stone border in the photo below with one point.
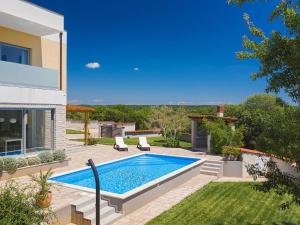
(24, 171)
(235, 169)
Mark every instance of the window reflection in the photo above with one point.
(11, 53)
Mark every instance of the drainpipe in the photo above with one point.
(60, 60)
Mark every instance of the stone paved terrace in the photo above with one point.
(165, 202)
(79, 154)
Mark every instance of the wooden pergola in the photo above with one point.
(85, 110)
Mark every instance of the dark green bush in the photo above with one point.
(59, 155)
(10, 164)
(222, 134)
(232, 153)
(172, 142)
(46, 157)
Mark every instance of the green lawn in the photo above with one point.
(70, 131)
(153, 141)
(231, 204)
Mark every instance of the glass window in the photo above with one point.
(29, 129)
(10, 132)
(11, 53)
(38, 130)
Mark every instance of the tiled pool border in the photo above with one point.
(127, 202)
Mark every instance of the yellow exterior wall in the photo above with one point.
(51, 58)
(43, 52)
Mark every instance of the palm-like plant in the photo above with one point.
(42, 181)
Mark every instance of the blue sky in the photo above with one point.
(158, 51)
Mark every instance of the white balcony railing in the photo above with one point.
(20, 75)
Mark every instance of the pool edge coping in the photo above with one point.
(136, 190)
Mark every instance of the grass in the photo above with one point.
(153, 141)
(70, 131)
(231, 204)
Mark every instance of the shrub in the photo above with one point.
(92, 141)
(59, 155)
(223, 135)
(22, 162)
(1, 165)
(21, 201)
(10, 164)
(172, 142)
(46, 157)
(33, 161)
(232, 153)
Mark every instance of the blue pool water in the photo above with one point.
(124, 175)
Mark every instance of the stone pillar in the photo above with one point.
(220, 111)
(208, 143)
(60, 127)
(194, 133)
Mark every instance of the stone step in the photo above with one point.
(87, 209)
(212, 165)
(210, 168)
(209, 172)
(104, 212)
(214, 162)
(108, 220)
(84, 200)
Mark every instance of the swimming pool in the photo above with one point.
(127, 174)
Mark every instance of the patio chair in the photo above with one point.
(120, 145)
(143, 144)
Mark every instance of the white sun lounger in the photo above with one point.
(120, 145)
(143, 144)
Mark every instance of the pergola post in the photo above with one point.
(85, 110)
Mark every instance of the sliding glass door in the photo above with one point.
(11, 141)
(38, 130)
(26, 131)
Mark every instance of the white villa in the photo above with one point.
(32, 78)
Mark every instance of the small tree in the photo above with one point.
(255, 115)
(279, 53)
(223, 135)
(171, 122)
(279, 57)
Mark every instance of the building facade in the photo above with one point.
(33, 82)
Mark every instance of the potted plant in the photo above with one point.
(44, 194)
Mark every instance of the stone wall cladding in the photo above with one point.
(59, 120)
(60, 128)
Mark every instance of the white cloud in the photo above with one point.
(184, 103)
(97, 100)
(93, 65)
(74, 101)
(136, 69)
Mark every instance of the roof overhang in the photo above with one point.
(79, 108)
(211, 118)
(29, 18)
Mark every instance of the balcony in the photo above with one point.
(20, 75)
(29, 18)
